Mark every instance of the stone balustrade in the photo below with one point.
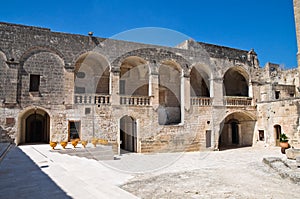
(201, 101)
(238, 101)
(91, 99)
(135, 100)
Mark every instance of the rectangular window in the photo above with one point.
(261, 135)
(122, 87)
(34, 83)
(277, 94)
(74, 130)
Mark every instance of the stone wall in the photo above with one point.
(57, 58)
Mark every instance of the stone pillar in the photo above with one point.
(69, 87)
(297, 22)
(240, 134)
(115, 78)
(229, 133)
(154, 81)
(182, 96)
(217, 91)
(187, 92)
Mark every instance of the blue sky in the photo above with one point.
(265, 25)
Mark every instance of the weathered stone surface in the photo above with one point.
(292, 153)
(211, 96)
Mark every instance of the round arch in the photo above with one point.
(36, 49)
(170, 100)
(200, 77)
(237, 130)
(134, 76)
(236, 82)
(92, 73)
(33, 125)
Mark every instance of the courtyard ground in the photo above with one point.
(34, 171)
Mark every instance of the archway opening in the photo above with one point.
(134, 77)
(92, 74)
(169, 93)
(37, 127)
(128, 134)
(236, 83)
(277, 132)
(199, 83)
(237, 130)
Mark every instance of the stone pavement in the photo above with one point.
(49, 174)
(235, 173)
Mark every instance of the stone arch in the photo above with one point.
(237, 130)
(154, 56)
(47, 69)
(36, 49)
(134, 76)
(92, 73)
(236, 82)
(33, 125)
(169, 92)
(200, 77)
(128, 133)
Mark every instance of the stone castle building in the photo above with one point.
(142, 98)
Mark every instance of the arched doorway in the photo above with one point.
(237, 130)
(37, 127)
(128, 134)
(277, 132)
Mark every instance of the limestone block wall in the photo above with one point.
(284, 113)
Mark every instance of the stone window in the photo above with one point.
(277, 94)
(74, 130)
(122, 87)
(34, 83)
(261, 135)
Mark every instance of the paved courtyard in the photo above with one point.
(34, 171)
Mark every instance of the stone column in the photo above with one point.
(154, 81)
(297, 22)
(187, 92)
(115, 78)
(240, 134)
(229, 133)
(217, 91)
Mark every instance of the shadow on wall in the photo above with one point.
(22, 178)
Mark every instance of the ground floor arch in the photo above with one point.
(128, 134)
(237, 130)
(34, 127)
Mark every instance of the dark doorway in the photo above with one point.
(277, 129)
(128, 134)
(37, 128)
(208, 138)
(235, 133)
(74, 130)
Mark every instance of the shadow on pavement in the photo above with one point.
(20, 177)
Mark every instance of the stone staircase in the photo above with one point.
(96, 153)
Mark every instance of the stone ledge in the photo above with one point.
(286, 169)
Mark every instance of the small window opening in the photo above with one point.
(277, 94)
(34, 83)
(261, 135)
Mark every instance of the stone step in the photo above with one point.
(97, 153)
